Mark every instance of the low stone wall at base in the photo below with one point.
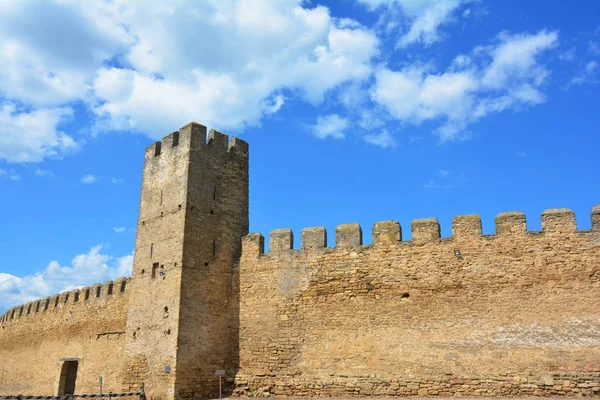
(584, 384)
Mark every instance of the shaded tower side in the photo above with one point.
(216, 221)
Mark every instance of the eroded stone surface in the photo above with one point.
(515, 313)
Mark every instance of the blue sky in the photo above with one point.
(355, 111)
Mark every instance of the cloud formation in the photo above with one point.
(493, 78)
(423, 18)
(85, 269)
(147, 67)
(89, 179)
(12, 175)
(31, 136)
(589, 74)
(330, 126)
(382, 139)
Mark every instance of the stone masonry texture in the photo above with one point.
(513, 313)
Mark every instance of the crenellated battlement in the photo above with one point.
(465, 227)
(76, 297)
(510, 313)
(462, 310)
(193, 136)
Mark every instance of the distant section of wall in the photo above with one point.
(515, 313)
(86, 325)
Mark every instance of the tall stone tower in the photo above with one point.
(182, 320)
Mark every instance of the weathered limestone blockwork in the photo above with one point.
(87, 325)
(193, 214)
(181, 323)
(514, 313)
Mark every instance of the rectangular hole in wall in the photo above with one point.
(56, 302)
(47, 305)
(37, 307)
(175, 138)
(157, 149)
(154, 270)
(151, 249)
(110, 289)
(98, 291)
(123, 286)
(76, 299)
(68, 378)
(29, 309)
(66, 298)
(12, 315)
(21, 311)
(87, 294)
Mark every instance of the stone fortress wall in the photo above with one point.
(514, 313)
(87, 324)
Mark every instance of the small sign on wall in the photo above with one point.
(220, 372)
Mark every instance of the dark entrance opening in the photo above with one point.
(68, 376)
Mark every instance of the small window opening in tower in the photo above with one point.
(67, 298)
(98, 289)
(214, 247)
(154, 270)
(21, 311)
(175, 139)
(76, 299)
(29, 310)
(37, 307)
(110, 289)
(56, 302)
(123, 286)
(87, 294)
(47, 305)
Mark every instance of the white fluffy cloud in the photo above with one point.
(424, 17)
(382, 139)
(492, 79)
(330, 126)
(256, 49)
(31, 136)
(50, 49)
(589, 74)
(89, 179)
(150, 66)
(85, 269)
